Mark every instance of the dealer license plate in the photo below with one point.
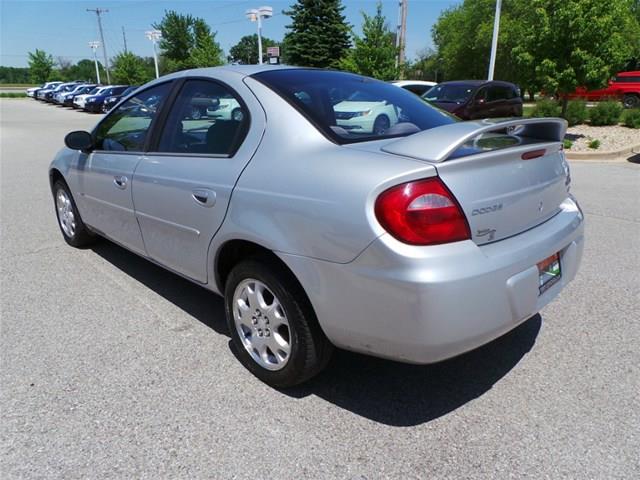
(549, 272)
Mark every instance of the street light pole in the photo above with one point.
(94, 46)
(154, 36)
(257, 14)
(494, 40)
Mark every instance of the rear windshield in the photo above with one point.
(350, 108)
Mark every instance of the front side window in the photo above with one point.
(206, 118)
(351, 108)
(125, 129)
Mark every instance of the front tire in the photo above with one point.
(381, 125)
(272, 324)
(73, 229)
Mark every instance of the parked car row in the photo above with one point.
(89, 97)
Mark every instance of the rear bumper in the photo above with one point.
(426, 304)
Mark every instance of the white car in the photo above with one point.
(415, 86)
(228, 108)
(359, 114)
(80, 100)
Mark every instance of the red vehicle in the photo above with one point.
(625, 86)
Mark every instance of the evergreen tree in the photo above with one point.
(40, 66)
(374, 54)
(206, 51)
(318, 35)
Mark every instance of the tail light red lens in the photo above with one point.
(422, 212)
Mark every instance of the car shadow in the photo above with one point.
(573, 136)
(387, 392)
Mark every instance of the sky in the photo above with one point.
(64, 28)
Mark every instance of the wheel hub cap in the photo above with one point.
(65, 213)
(261, 324)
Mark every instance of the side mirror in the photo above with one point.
(79, 140)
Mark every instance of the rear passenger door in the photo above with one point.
(182, 186)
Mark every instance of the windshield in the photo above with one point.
(351, 108)
(450, 93)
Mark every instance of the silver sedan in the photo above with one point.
(414, 241)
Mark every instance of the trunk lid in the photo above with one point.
(508, 176)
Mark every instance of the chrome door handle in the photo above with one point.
(204, 197)
(120, 181)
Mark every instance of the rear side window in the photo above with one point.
(206, 118)
(125, 128)
(350, 108)
(499, 92)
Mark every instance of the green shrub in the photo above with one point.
(576, 112)
(12, 94)
(567, 144)
(631, 118)
(606, 113)
(546, 108)
(594, 144)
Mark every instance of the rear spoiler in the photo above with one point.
(437, 144)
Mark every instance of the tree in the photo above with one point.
(462, 36)
(129, 69)
(206, 51)
(374, 54)
(14, 75)
(187, 42)
(318, 35)
(246, 50)
(426, 67)
(571, 43)
(40, 66)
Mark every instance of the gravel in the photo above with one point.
(111, 367)
(611, 138)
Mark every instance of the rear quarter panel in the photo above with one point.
(304, 195)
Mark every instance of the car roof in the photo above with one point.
(629, 74)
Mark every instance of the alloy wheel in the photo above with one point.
(262, 324)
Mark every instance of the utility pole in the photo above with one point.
(154, 36)
(494, 40)
(98, 12)
(401, 33)
(124, 38)
(94, 46)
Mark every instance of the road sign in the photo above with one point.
(273, 51)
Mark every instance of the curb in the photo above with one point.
(622, 154)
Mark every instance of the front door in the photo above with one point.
(182, 188)
(105, 176)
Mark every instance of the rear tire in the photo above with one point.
(631, 101)
(272, 324)
(73, 229)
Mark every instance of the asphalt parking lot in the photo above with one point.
(113, 368)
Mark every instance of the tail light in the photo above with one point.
(422, 212)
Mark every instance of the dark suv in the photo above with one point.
(470, 99)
